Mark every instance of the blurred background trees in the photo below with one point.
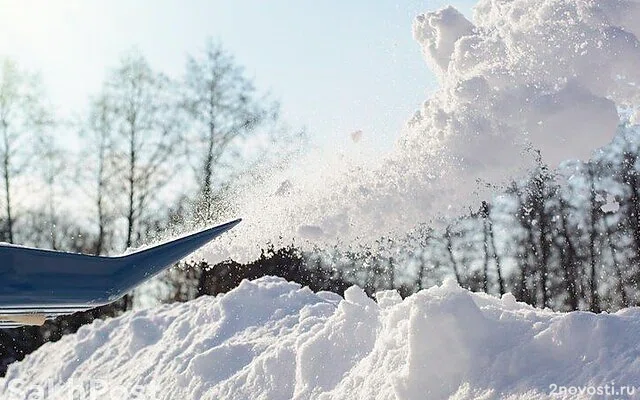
(23, 117)
(146, 131)
(148, 152)
(224, 109)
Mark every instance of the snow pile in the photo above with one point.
(271, 339)
(546, 75)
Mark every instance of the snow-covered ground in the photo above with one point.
(272, 339)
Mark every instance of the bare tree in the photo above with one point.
(570, 260)
(143, 114)
(620, 284)
(448, 237)
(524, 245)
(484, 215)
(496, 257)
(99, 169)
(52, 166)
(22, 115)
(225, 111)
(540, 188)
(593, 233)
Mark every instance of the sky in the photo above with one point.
(336, 67)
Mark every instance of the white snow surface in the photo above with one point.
(272, 339)
(546, 75)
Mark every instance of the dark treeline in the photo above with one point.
(567, 239)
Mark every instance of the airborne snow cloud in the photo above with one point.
(546, 75)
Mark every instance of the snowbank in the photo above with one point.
(272, 339)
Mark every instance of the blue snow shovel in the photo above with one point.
(36, 285)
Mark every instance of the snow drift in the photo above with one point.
(272, 339)
(548, 75)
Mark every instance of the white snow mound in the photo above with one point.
(272, 339)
